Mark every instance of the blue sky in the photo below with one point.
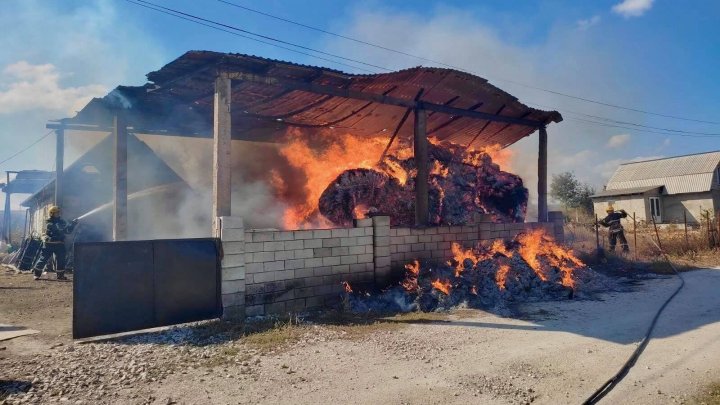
(659, 56)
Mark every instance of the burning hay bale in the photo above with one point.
(532, 267)
(461, 183)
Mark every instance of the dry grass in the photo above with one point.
(709, 396)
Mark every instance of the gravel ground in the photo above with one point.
(557, 352)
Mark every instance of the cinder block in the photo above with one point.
(315, 262)
(357, 231)
(410, 239)
(275, 308)
(417, 247)
(403, 248)
(358, 267)
(393, 249)
(431, 231)
(381, 220)
(285, 275)
(393, 232)
(249, 278)
(455, 229)
(364, 240)
(340, 251)
(255, 310)
(233, 235)
(331, 261)
(469, 228)
(233, 299)
(397, 240)
(351, 241)
(262, 236)
(263, 257)
(321, 233)
(314, 302)
(355, 250)
(234, 313)
(322, 271)
(333, 242)
(285, 255)
(294, 264)
(302, 235)
(384, 231)
(273, 246)
(303, 253)
(312, 281)
(431, 246)
(381, 240)
(274, 266)
(293, 244)
(312, 243)
(233, 273)
(233, 260)
(382, 261)
(366, 258)
(370, 231)
(232, 286)
(443, 229)
(361, 223)
(251, 247)
(403, 231)
(322, 252)
(352, 259)
(371, 249)
(283, 236)
(382, 251)
(233, 247)
(296, 305)
(339, 233)
(231, 222)
(300, 273)
(342, 268)
(253, 267)
(425, 238)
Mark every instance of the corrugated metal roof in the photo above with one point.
(180, 99)
(680, 174)
(625, 191)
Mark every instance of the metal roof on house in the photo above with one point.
(179, 100)
(679, 174)
(625, 191)
(28, 181)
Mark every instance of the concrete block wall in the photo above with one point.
(232, 285)
(408, 244)
(290, 271)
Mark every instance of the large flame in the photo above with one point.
(537, 245)
(443, 286)
(410, 283)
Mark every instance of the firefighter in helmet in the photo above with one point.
(54, 243)
(616, 231)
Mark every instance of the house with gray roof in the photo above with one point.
(668, 188)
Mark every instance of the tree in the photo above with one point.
(572, 193)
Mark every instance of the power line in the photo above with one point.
(585, 99)
(250, 38)
(611, 120)
(27, 147)
(605, 124)
(280, 41)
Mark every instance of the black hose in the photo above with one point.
(615, 380)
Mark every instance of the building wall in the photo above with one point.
(278, 272)
(693, 204)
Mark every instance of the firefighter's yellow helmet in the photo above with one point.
(54, 211)
(609, 208)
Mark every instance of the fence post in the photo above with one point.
(635, 248)
(687, 242)
(707, 220)
(597, 233)
(717, 219)
(657, 234)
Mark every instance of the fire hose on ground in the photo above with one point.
(625, 369)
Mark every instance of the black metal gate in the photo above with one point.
(125, 286)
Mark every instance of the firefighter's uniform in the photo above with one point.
(54, 243)
(616, 231)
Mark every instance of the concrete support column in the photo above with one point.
(542, 176)
(59, 165)
(7, 214)
(558, 220)
(232, 236)
(381, 250)
(422, 200)
(221, 150)
(120, 136)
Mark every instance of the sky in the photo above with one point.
(658, 56)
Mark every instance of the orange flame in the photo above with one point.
(537, 244)
(501, 275)
(444, 286)
(460, 256)
(347, 287)
(410, 282)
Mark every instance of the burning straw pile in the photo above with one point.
(530, 268)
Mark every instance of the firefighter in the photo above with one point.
(616, 231)
(54, 243)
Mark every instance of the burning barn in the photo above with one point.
(355, 174)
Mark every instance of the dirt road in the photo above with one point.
(558, 352)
